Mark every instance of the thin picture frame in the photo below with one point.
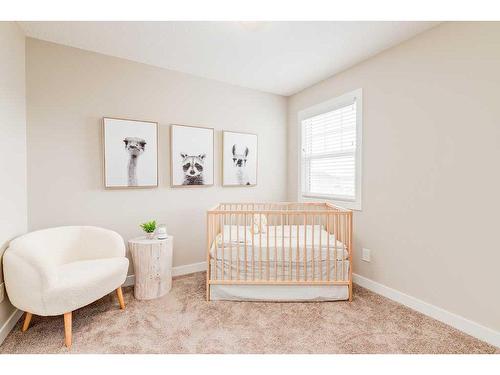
(256, 161)
(103, 142)
(172, 185)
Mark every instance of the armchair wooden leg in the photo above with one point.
(119, 294)
(27, 320)
(67, 329)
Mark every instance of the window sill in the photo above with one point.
(348, 204)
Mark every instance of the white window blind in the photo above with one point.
(329, 152)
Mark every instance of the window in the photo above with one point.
(330, 160)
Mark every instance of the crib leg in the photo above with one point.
(350, 291)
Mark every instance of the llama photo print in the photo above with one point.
(130, 153)
(192, 155)
(239, 158)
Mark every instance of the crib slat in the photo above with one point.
(297, 252)
(216, 231)
(253, 248)
(305, 247)
(223, 218)
(320, 255)
(336, 220)
(246, 248)
(312, 247)
(260, 246)
(214, 241)
(275, 251)
(230, 245)
(282, 248)
(267, 246)
(328, 247)
(344, 244)
(290, 251)
(341, 236)
(237, 246)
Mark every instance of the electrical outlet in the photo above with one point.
(2, 292)
(366, 255)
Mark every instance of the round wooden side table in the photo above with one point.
(152, 266)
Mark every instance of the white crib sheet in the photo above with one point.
(281, 293)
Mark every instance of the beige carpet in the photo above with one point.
(183, 322)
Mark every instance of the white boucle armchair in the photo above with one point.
(55, 271)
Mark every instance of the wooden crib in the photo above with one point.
(284, 248)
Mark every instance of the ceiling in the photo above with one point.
(277, 57)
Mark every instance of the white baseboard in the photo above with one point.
(462, 324)
(9, 324)
(176, 271)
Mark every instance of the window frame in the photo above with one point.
(318, 109)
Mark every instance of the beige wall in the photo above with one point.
(431, 182)
(13, 130)
(69, 90)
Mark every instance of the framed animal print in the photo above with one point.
(191, 156)
(130, 153)
(239, 159)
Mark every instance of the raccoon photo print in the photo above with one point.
(192, 155)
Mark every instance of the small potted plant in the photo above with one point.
(149, 228)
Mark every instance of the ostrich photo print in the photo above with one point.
(192, 155)
(239, 158)
(130, 153)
